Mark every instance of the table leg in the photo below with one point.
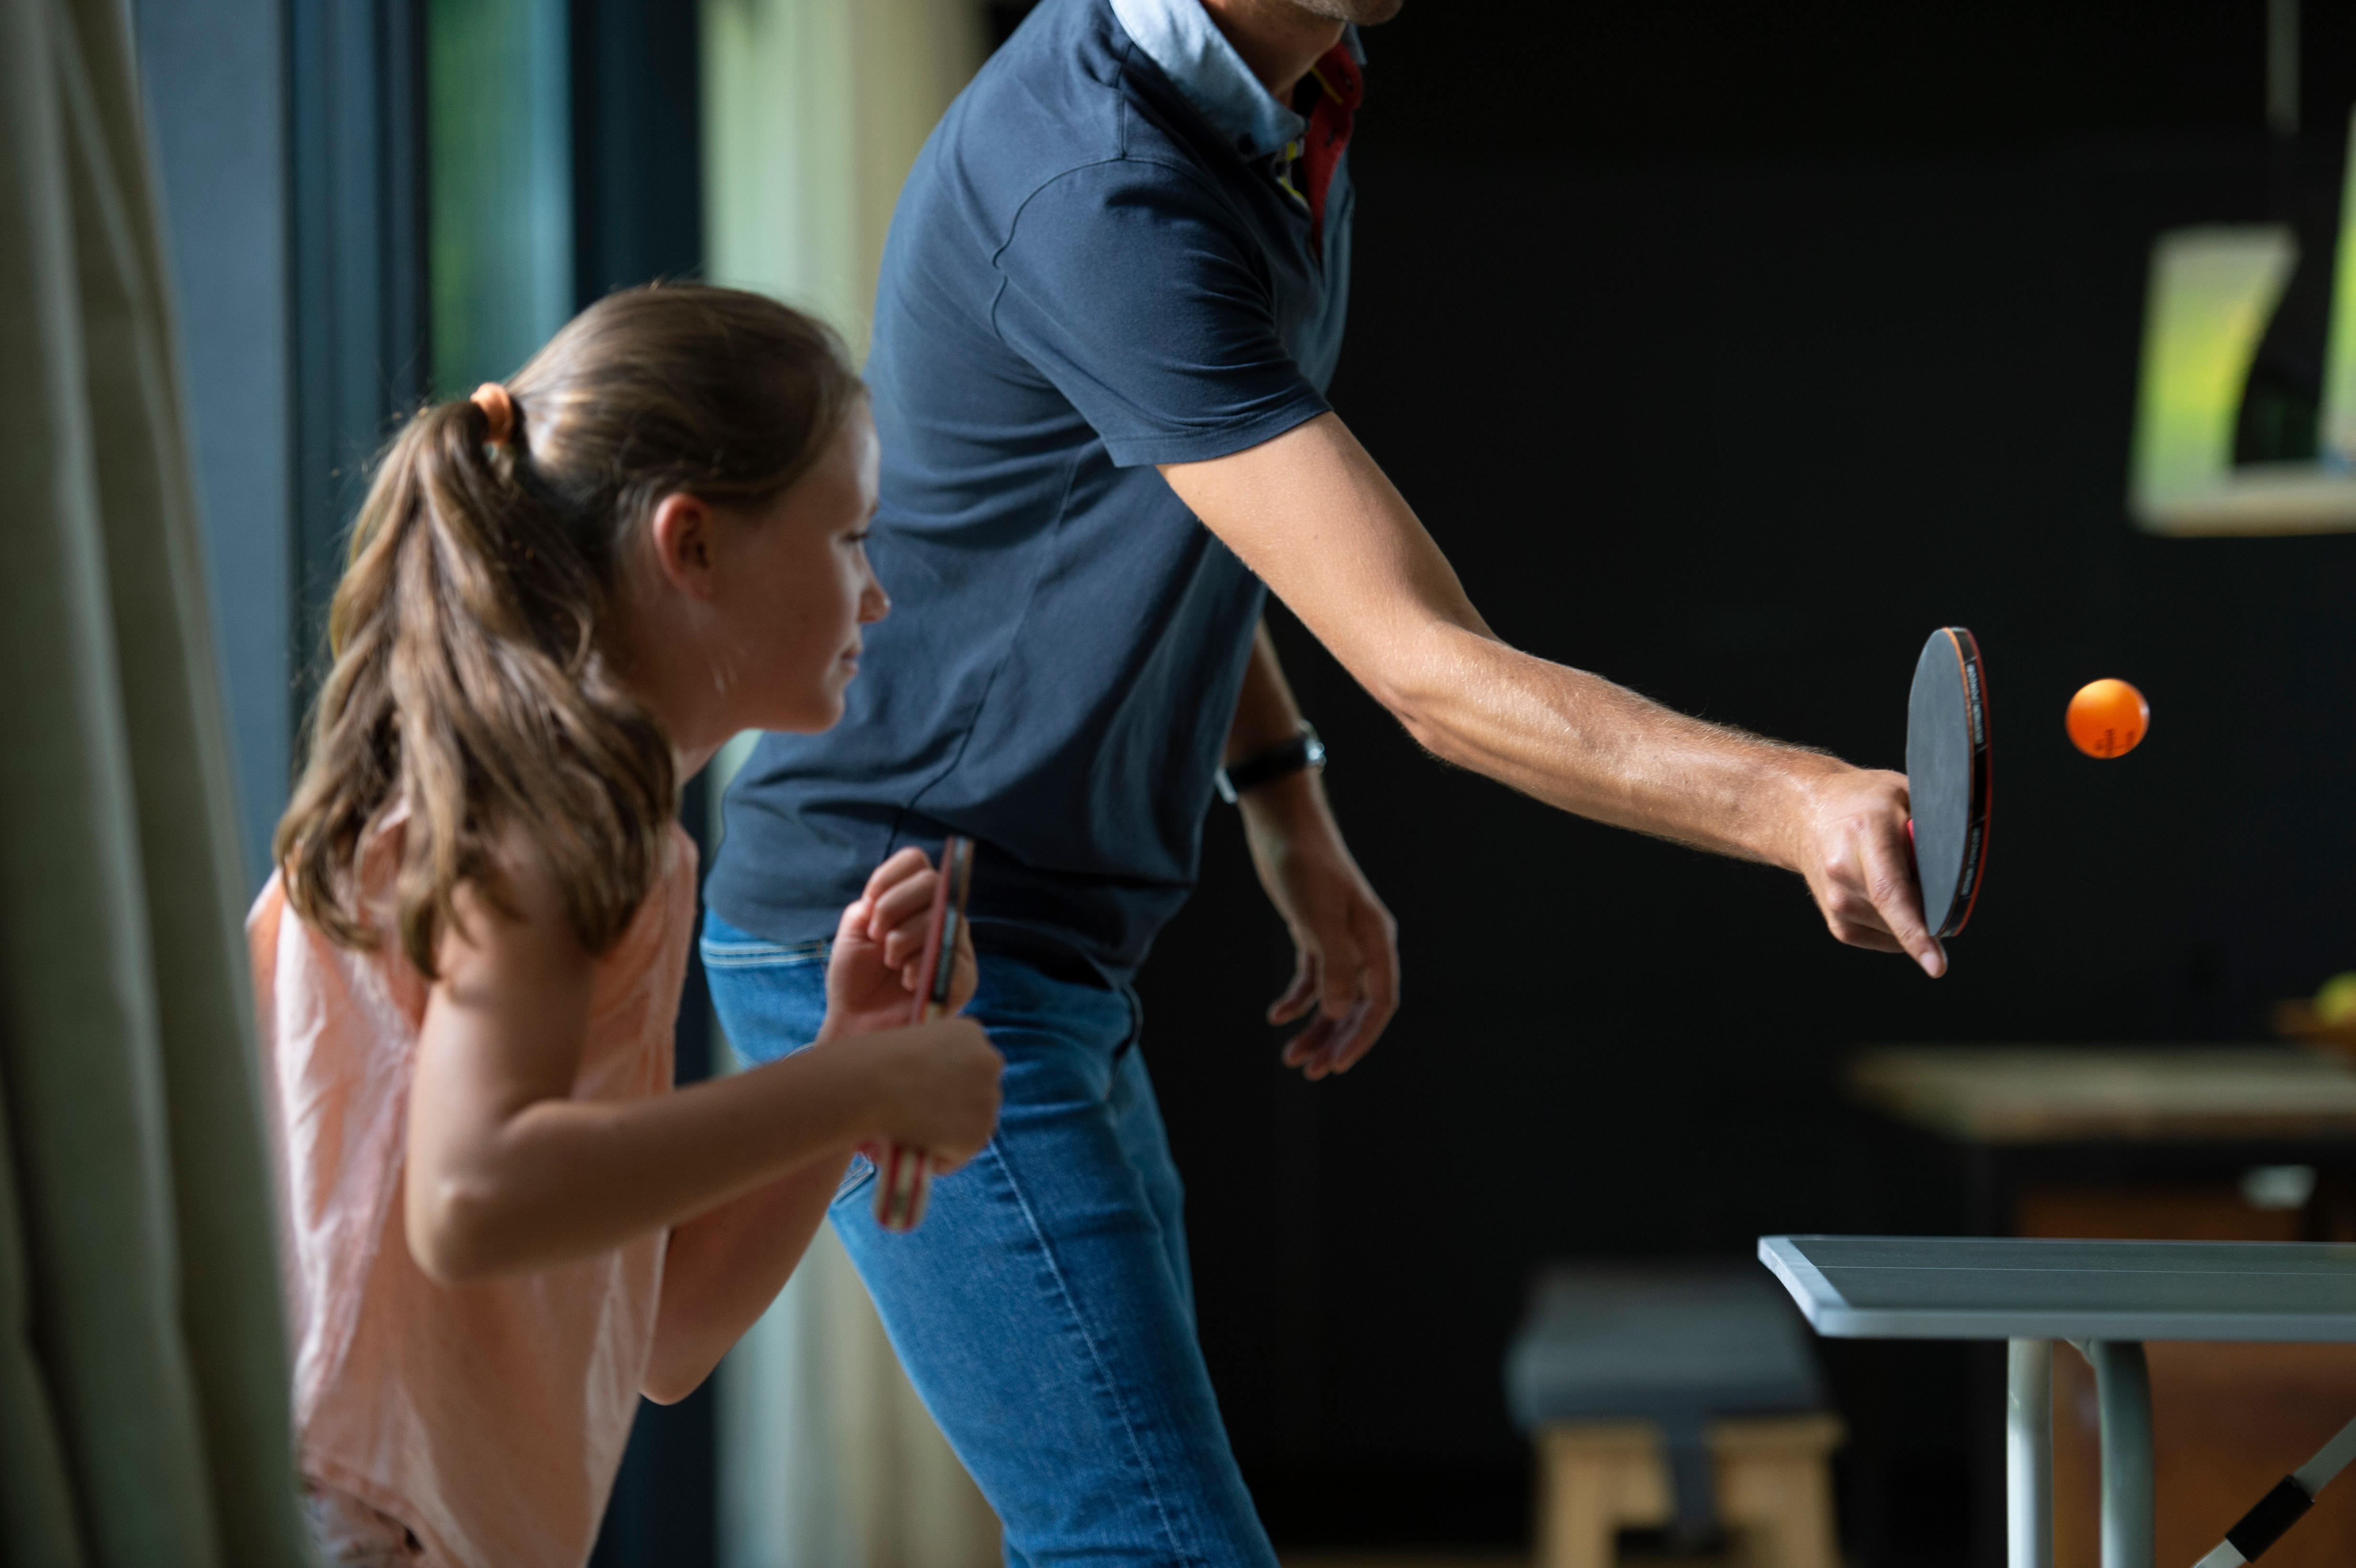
(2028, 1453)
(2123, 1389)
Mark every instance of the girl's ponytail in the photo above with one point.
(466, 680)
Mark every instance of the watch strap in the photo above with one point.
(1303, 751)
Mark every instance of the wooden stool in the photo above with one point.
(1774, 1489)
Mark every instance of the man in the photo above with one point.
(1112, 297)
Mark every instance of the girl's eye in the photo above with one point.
(859, 538)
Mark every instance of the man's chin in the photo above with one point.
(1364, 13)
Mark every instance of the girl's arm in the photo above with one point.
(508, 1172)
(723, 1269)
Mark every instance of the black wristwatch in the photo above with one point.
(1303, 751)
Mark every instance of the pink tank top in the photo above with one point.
(489, 1418)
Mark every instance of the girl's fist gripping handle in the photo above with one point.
(904, 1177)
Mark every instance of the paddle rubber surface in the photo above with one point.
(1947, 775)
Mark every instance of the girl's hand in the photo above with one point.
(933, 1086)
(871, 981)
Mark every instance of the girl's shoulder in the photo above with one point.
(285, 950)
(665, 920)
(300, 971)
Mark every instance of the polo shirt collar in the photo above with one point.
(1180, 36)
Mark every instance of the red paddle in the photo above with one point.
(904, 1177)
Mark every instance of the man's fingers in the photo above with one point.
(1366, 1026)
(1897, 902)
(1353, 1036)
(1309, 1043)
(1344, 980)
(1380, 982)
(1356, 1034)
(1355, 990)
(1301, 995)
(1871, 936)
(1335, 1045)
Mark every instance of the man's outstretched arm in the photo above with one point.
(1319, 522)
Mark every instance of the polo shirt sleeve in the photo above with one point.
(1128, 287)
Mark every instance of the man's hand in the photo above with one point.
(1853, 849)
(871, 980)
(1344, 943)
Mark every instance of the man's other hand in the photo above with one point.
(1344, 943)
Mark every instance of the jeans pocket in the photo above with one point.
(856, 1174)
(770, 996)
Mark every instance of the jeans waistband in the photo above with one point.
(1051, 956)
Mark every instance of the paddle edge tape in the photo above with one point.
(1971, 669)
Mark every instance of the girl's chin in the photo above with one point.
(820, 712)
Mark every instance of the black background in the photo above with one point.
(1728, 353)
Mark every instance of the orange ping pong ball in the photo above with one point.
(2107, 718)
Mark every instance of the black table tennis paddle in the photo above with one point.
(1947, 776)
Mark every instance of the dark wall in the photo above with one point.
(1729, 362)
(1513, 79)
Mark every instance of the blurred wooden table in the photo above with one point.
(2057, 1139)
(2048, 1095)
(2159, 1143)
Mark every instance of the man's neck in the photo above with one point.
(1278, 40)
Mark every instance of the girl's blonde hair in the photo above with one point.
(466, 680)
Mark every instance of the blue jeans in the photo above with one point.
(1044, 1309)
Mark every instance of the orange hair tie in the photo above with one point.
(499, 409)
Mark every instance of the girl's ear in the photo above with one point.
(681, 531)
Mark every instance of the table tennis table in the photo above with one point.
(2107, 1298)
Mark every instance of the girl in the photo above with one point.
(501, 1224)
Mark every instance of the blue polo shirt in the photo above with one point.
(1098, 264)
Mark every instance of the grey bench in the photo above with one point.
(1685, 1396)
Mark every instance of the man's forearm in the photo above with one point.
(1577, 740)
(1315, 516)
(1267, 717)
